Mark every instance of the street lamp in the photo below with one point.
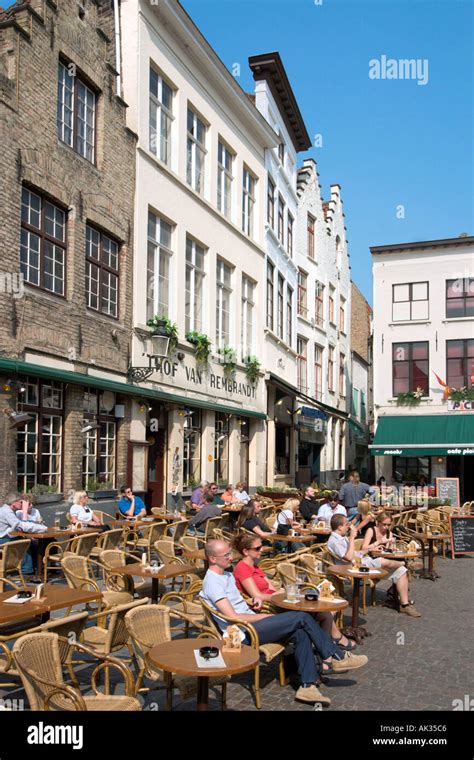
(157, 348)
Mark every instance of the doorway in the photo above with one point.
(156, 495)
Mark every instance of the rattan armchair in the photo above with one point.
(177, 529)
(38, 661)
(11, 557)
(149, 534)
(268, 651)
(148, 627)
(110, 539)
(79, 574)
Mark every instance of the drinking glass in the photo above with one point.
(57, 520)
(291, 592)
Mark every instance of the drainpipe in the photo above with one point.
(117, 46)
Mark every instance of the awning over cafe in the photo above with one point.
(424, 435)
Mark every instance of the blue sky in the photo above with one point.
(386, 142)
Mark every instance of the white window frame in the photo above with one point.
(156, 102)
(68, 129)
(194, 149)
(224, 179)
(222, 336)
(248, 201)
(191, 319)
(156, 283)
(248, 316)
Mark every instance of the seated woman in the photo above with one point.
(228, 495)
(251, 580)
(240, 494)
(286, 520)
(378, 539)
(250, 520)
(80, 512)
(364, 520)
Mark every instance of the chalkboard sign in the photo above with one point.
(462, 535)
(448, 488)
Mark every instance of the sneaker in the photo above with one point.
(410, 610)
(349, 662)
(310, 693)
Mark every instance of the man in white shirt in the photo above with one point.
(220, 592)
(10, 523)
(330, 508)
(28, 512)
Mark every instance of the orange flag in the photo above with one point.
(446, 387)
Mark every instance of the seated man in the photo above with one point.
(220, 592)
(10, 523)
(131, 505)
(216, 499)
(198, 496)
(209, 509)
(330, 508)
(28, 511)
(308, 507)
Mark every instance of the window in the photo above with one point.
(342, 374)
(280, 304)
(355, 402)
(460, 297)
(248, 202)
(39, 442)
(289, 235)
(161, 117)
(192, 449)
(410, 367)
(248, 307)
(281, 220)
(331, 304)
(223, 275)
(221, 449)
(281, 152)
(158, 266)
(282, 449)
(331, 369)
(102, 272)
(289, 315)
(99, 445)
(194, 285)
(342, 315)
(460, 363)
(271, 203)
(363, 407)
(302, 364)
(411, 468)
(319, 303)
(196, 152)
(224, 179)
(310, 229)
(302, 293)
(76, 112)
(43, 243)
(270, 297)
(410, 301)
(318, 372)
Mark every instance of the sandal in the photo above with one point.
(349, 647)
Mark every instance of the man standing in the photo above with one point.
(353, 492)
(10, 523)
(308, 507)
(131, 505)
(220, 592)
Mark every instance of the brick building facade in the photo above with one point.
(68, 163)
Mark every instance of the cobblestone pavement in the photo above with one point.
(414, 664)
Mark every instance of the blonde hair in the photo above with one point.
(78, 495)
(381, 517)
(292, 504)
(239, 486)
(363, 507)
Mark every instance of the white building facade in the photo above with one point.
(200, 256)
(323, 330)
(423, 346)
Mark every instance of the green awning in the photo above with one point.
(80, 378)
(424, 435)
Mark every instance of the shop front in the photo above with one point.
(312, 429)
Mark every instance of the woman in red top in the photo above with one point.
(253, 582)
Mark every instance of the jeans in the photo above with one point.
(304, 632)
(28, 564)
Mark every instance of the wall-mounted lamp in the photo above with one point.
(17, 418)
(89, 425)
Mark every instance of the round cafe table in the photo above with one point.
(431, 538)
(177, 656)
(345, 571)
(302, 605)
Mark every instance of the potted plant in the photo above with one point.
(461, 394)
(164, 326)
(97, 489)
(202, 346)
(44, 494)
(410, 398)
(228, 360)
(252, 369)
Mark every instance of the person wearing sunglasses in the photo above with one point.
(330, 508)
(253, 582)
(220, 592)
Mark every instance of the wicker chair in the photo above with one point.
(38, 660)
(53, 554)
(186, 603)
(110, 539)
(148, 627)
(177, 529)
(211, 524)
(112, 558)
(269, 651)
(11, 557)
(79, 575)
(104, 517)
(150, 534)
(166, 550)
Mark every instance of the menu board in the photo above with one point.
(462, 534)
(448, 488)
